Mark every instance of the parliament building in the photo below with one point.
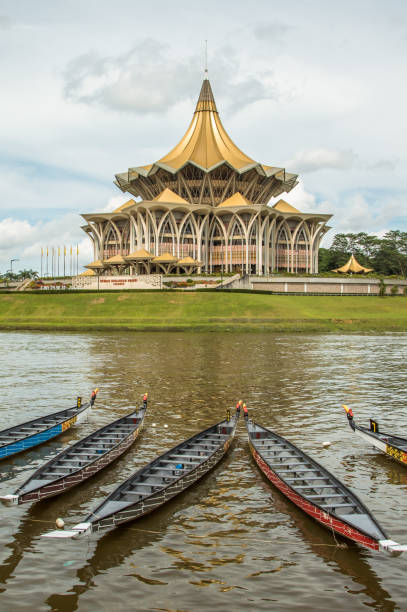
(204, 208)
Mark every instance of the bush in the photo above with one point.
(382, 287)
(394, 290)
(405, 290)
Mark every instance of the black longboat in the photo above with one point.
(159, 481)
(315, 490)
(390, 444)
(80, 461)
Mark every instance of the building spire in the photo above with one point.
(206, 60)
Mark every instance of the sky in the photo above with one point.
(91, 88)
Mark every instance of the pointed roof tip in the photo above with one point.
(206, 101)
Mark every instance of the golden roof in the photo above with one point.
(139, 254)
(115, 260)
(123, 206)
(188, 261)
(284, 206)
(165, 258)
(353, 266)
(88, 273)
(206, 142)
(237, 199)
(95, 265)
(169, 196)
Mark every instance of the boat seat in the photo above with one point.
(327, 495)
(55, 473)
(349, 505)
(305, 478)
(316, 486)
(289, 465)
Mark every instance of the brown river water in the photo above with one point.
(231, 542)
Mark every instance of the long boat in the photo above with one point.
(315, 490)
(32, 433)
(158, 481)
(80, 461)
(394, 446)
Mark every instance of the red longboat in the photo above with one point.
(315, 490)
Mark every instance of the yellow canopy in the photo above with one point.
(170, 196)
(237, 199)
(116, 260)
(125, 205)
(88, 273)
(95, 265)
(165, 258)
(139, 254)
(188, 261)
(284, 206)
(353, 266)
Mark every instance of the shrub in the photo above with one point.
(394, 290)
(382, 287)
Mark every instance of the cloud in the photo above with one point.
(23, 240)
(5, 22)
(271, 32)
(385, 165)
(320, 159)
(147, 80)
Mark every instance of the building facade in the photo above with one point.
(204, 207)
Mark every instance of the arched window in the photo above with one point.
(282, 249)
(217, 248)
(301, 249)
(111, 243)
(237, 247)
(187, 245)
(167, 238)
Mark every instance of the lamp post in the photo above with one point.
(11, 265)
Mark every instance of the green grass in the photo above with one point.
(201, 311)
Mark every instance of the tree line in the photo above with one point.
(387, 256)
(18, 276)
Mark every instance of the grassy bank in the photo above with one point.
(202, 311)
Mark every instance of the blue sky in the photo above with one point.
(91, 88)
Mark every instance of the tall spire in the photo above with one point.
(206, 60)
(206, 101)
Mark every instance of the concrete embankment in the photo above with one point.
(211, 311)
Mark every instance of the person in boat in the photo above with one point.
(245, 412)
(93, 396)
(145, 397)
(238, 406)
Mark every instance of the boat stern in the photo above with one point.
(80, 530)
(9, 500)
(392, 547)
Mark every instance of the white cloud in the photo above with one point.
(146, 79)
(319, 159)
(23, 240)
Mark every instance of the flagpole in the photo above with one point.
(64, 258)
(59, 252)
(47, 263)
(77, 259)
(42, 253)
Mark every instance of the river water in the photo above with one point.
(232, 541)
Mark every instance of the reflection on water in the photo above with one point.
(231, 541)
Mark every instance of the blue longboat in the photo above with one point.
(32, 433)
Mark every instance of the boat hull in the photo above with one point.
(42, 436)
(392, 451)
(324, 518)
(154, 501)
(64, 484)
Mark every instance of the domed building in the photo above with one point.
(204, 207)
